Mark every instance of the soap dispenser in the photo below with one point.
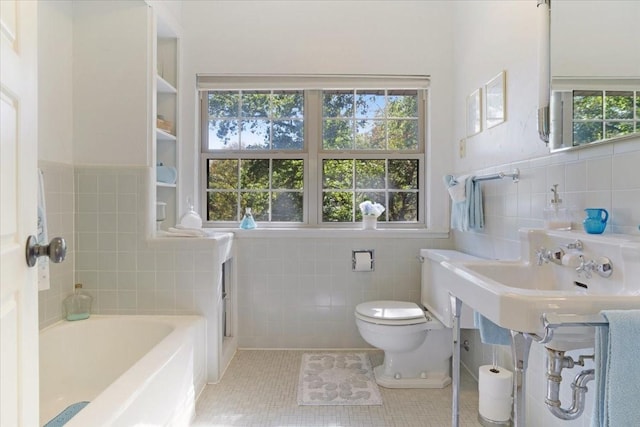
(556, 217)
(78, 305)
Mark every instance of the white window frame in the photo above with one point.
(312, 153)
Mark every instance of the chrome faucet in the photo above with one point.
(546, 255)
(602, 266)
(586, 267)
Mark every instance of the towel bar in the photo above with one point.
(515, 175)
(551, 321)
(554, 320)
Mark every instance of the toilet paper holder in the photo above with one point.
(362, 260)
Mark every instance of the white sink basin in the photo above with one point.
(515, 294)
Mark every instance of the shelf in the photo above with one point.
(165, 185)
(163, 86)
(164, 136)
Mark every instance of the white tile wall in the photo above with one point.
(119, 266)
(301, 292)
(58, 187)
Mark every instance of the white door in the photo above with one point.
(18, 198)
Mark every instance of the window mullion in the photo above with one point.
(313, 169)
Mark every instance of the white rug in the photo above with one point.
(337, 379)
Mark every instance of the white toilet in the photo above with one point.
(417, 347)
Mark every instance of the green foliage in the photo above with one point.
(601, 115)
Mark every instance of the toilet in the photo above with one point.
(417, 347)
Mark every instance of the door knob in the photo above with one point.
(56, 250)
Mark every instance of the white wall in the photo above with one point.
(55, 119)
(595, 38)
(111, 83)
(320, 37)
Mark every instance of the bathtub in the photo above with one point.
(134, 370)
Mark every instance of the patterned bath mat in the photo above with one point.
(337, 379)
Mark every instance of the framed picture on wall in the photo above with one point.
(495, 100)
(474, 112)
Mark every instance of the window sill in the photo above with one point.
(333, 233)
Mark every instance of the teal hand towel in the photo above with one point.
(490, 333)
(617, 370)
(466, 207)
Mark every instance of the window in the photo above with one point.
(306, 156)
(604, 114)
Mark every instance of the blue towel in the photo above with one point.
(490, 333)
(63, 417)
(617, 371)
(466, 212)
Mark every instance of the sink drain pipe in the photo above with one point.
(556, 362)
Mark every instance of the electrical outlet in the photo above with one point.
(462, 148)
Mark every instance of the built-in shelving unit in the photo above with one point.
(166, 108)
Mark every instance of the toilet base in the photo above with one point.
(433, 380)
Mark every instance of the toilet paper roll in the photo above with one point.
(494, 393)
(362, 261)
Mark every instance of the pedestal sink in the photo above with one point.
(515, 294)
(558, 273)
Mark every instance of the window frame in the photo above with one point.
(313, 153)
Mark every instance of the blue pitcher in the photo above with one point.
(596, 220)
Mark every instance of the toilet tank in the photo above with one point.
(434, 294)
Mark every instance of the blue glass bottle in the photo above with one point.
(247, 222)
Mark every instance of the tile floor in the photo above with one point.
(260, 388)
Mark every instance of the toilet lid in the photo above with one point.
(390, 310)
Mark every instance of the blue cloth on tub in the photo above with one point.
(63, 417)
(490, 333)
(617, 371)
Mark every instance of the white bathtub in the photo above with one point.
(134, 370)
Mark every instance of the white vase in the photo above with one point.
(369, 222)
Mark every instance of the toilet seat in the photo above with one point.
(394, 313)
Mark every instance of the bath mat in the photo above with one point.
(337, 379)
(63, 417)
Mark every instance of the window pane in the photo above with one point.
(638, 105)
(287, 174)
(370, 104)
(255, 134)
(222, 174)
(403, 134)
(254, 174)
(403, 206)
(258, 202)
(223, 135)
(286, 206)
(223, 104)
(222, 206)
(370, 135)
(337, 174)
(587, 104)
(337, 206)
(288, 135)
(337, 134)
(586, 132)
(614, 129)
(337, 103)
(618, 105)
(402, 104)
(370, 174)
(403, 174)
(255, 104)
(288, 104)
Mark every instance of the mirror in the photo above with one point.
(595, 72)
